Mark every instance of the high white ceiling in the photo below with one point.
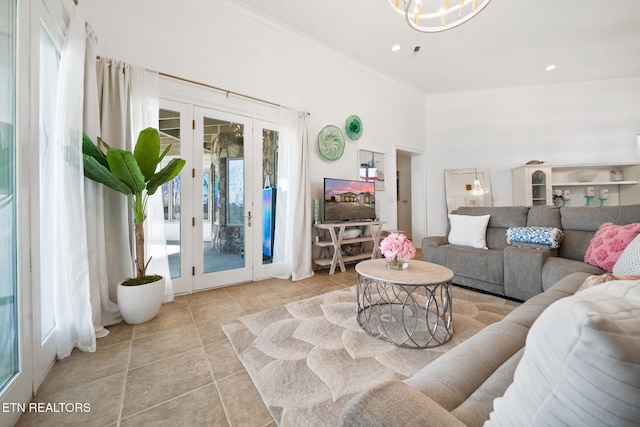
(508, 44)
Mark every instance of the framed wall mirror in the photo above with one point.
(467, 187)
(371, 168)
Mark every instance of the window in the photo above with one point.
(235, 191)
(9, 349)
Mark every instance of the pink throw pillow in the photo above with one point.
(608, 243)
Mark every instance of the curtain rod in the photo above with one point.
(227, 91)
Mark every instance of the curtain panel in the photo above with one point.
(292, 234)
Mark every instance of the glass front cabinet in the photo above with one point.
(532, 186)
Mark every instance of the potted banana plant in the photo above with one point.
(134, 175)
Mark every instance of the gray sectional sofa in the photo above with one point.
(593, 381)
(560, 358)
(518, 271)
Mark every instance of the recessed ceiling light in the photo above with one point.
(550, 67)
(396, 47)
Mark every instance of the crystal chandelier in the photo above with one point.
(432, 16)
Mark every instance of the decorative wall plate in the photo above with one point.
(353, 127)
(330, 143)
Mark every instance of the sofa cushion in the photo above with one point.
(469, 230)
(502, 217)
(608, 243)
(581, 364)
(629, 262)
(544, 216)
(579, 224)
(555, 268)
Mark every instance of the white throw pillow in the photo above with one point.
(581, 363)
(629, 262)
(469, 230)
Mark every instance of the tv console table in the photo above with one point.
(329, 237)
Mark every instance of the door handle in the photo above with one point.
(249, 219)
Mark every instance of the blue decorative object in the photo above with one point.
(538, 235)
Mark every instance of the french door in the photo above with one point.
(214, 211)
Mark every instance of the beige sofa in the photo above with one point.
(574, 372)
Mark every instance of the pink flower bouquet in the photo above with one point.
(396, 246)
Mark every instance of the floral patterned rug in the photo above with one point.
(308, 358)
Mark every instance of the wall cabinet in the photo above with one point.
(535, 184)
(337, 247)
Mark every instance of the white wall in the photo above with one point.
(586, 122)
(213, 42)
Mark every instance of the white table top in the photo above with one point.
(418, 273)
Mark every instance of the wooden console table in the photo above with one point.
(330, 238)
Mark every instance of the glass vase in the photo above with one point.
(398, 263)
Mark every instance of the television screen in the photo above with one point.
(346, 200)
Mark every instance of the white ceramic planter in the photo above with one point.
(139, 304)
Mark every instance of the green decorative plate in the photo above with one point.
(353, 126)
(330, 143)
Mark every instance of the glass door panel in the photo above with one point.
(266, 140)
(169, 128)
(223, 168)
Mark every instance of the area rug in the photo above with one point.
(308, 358)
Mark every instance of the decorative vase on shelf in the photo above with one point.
(398, 263)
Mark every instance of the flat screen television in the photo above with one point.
(346, 200)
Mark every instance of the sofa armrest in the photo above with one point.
(394, 403)
(434, 241)
(523, 271)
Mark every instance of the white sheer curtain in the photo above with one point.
(145, 110)
(65, 259)
(292, 240)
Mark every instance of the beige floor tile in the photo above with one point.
(223, 360)
(243, 404)
(82, 367)
(164, 344)
(170, 316)
(164, 380)
(208, 297)
(210, 332)
(99, 405)
(201, 407)
(220, 313)
(117, 333)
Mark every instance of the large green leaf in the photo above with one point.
(90, 149)
(124, 166)
(95, 171)
(147, 152)
(165, 174)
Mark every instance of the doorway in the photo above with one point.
(215, 210)
(410, 193)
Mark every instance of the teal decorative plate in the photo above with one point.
(353, 126)
(330, 143)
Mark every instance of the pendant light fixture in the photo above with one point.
(432, 16)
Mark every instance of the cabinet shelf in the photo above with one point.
(534, 184)
(593, 183)
(331, 244)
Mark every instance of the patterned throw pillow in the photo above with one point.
(548, 236)
(629, 262)
(608, 243)
(592, 281)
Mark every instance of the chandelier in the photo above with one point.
(432, 16)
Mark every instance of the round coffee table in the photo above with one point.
(409, 308)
